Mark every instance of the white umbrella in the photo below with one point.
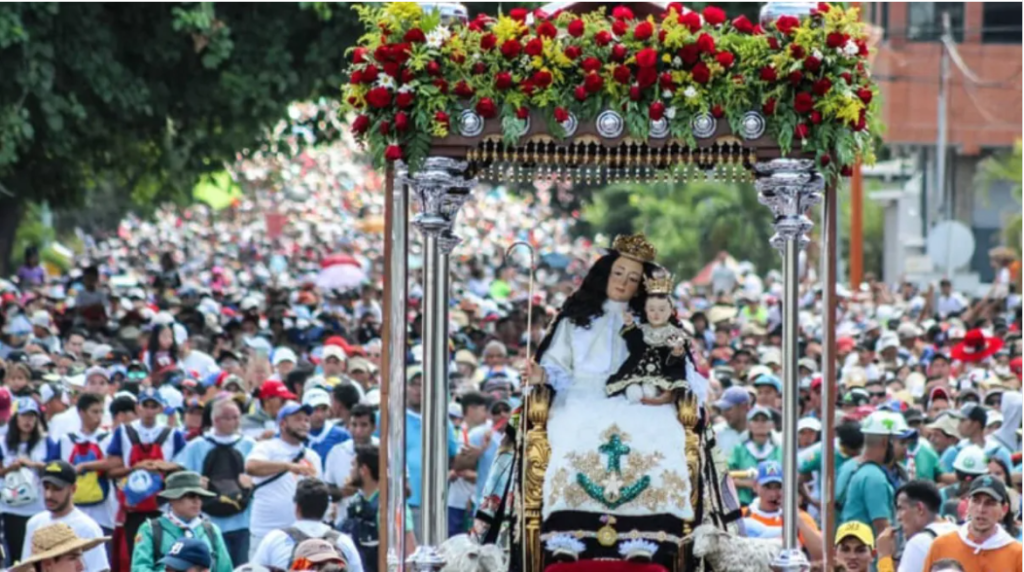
(340, 277)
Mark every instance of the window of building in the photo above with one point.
(1001, 23)
(924, 20)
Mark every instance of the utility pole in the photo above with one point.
(940, 143)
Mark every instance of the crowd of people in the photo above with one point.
(201, 389)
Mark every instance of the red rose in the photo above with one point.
(795, 76)
(433, 68)
(861, 124)
(442, 118)
(714, 16)
(359, 55)
(486, 108)
(773, 43)
(643, 31)
(768, 74)
(479, 68)
(717, 111)
(407, 74)
(463, 89)
(706, 44)
(393, 153)
(691, 20)
(835, 40)
(619, 53)
(603, 38)
(822, 86)
(622, 13)
(534, 47)
(401, 121)
(404, 99)
(769, 106)
(400, 52)
(382, 53)
(865, 95)
(441, 84)
(647, 58)
(518, 14)
(847, 76)
(576, 28)
(523, 112)
(621, 74)
(619, 28)
(803, 102)
(662, 34)
(593, 82)
(742, 25)
(546, 30)
(812, 64)
(656, 111)
(797, 51)
(503, 80)
(384, 127)
(801, 131)
(689, 54)
(786, 24)
(646, 77)
(816, 117)
(379, 97)
(561, 115)
(580, 93)
(825, 159)
(573, 52)
(511, 49)
(862, 48)
(370, 74)
(824, 7)
(458, 57)
(634, 93)
(526, 86)
(677, 6)
(414, 36)
(356, 77)
(591, 64)
(725, 58)
(846, 171)
(542, 78)
(360, 124)
(701, 73)
(488, 41)
(665, 81)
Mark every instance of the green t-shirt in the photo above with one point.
(926, 463)
(810, 459)
(744, 459)
(500, 290)
(867, 494)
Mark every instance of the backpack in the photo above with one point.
(298, 536)
(222, 466)
(157, 535)
(90, 488)
(20, 488)
(141, 452)
(361, 526)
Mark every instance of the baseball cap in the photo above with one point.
(732, 397)
(26, 405)
(151, 394)
(990, 486)
(335, 352)
(948, 424)
(315, 398)
(809, 364)
(282, 355)
(275, 388)
(188, 553)
(96, 370)
(974, 412)
(769, 472)
(455, 410)
(858, 530)
(769, 380)
(759, 410)
(291, 408)
(59, 473)
(808, 423)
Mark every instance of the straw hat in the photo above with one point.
(56, 540)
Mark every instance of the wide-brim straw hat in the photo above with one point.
(56, 540)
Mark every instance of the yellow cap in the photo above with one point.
(858, 530)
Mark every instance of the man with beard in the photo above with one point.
(276, 466)
(58, 491)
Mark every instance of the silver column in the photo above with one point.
(789, 187)
(441, 188)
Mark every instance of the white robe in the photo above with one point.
(582, 419)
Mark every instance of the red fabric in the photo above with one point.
(604, 566)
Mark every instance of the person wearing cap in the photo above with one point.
(769, 391)
(733, 405)
(225, 416)
(277, 465)
(756, 448)
(917, 510)
(855, 546)
(187, 555)
(983, 542)
(157, 536)
(56, 548)
(808, 430)
(333, 361)
(59, 485)
(362, 424)
(863, 488)
(127, 439)
(262, 423)
(972, 429)
(324, 433)
(43, 332)
(361, 371)
(314, 553)
(763, 517)
(284, 361)
(917, 455)
(23, 451)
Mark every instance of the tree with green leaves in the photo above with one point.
(1006, 167)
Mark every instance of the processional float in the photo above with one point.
(645, 92)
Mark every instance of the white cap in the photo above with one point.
(992, 417)
(771, 356)
(334, 351)
(886, 341)
(316, 397)
(172, 396)
(808, 423)
(41, 319)
(284, 354)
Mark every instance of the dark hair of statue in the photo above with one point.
(587, 302)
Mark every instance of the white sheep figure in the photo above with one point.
(728, 553)
(462, 554)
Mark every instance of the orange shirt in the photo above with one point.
(1004, 559)
(776, 521)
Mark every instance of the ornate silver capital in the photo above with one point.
(791, 561)
(789, 187)
(448, 241)
(441, 188)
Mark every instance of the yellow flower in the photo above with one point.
(667, 58)
(403, 11)
(506, 29)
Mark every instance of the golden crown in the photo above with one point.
(659, 283)
(635, 246)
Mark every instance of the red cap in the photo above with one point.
(816, 382)
(845, 344)
(938, 393)
(275, 388)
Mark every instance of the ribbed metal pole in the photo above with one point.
(828, 371)
(790, 391)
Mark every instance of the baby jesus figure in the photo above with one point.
(656, 365)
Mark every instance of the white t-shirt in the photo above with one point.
(275, 550)
(916, 550)
(199, 362)
(38, 453)
(101, 513)
(273, 505)
(337, 470)
(461, 491)
(70, 421)
(95, 558)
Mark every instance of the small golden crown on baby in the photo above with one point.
(635, 246)
(659, 283)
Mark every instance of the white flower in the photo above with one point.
(851, 48)
(677, 61)
(666, 94)
(670, 112)
(405, 88)
(817, 54)
(690, 92)
(437, 37)
(385, 80)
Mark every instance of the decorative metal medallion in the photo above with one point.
(570, 125)
(704, 125)
(659, 129)
(610, 124)
(470, 124)
(753, 125)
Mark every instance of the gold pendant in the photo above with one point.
(606, 535)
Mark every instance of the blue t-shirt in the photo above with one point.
(414, 452)
(483, 465)
(869, 495)
(192, 458)
(326, 438)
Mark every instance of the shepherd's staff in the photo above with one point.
(521, 431)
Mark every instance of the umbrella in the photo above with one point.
(340, 277)
(339, 259)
